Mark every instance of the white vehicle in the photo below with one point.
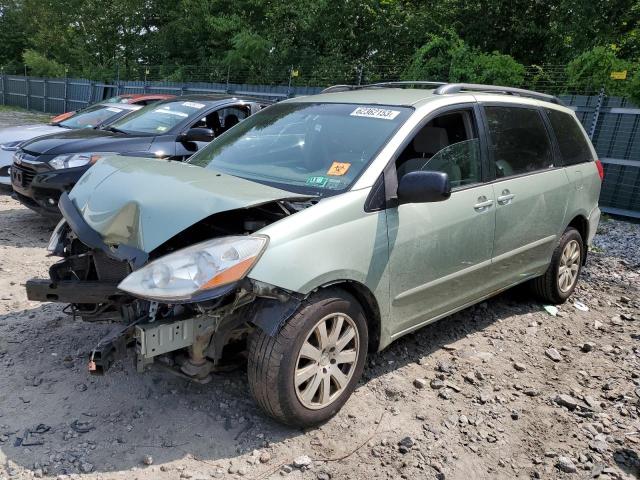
(96, 116)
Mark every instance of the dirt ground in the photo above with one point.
(475, 396)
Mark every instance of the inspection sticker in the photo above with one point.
(338, 168)
(114, 110)
(318, 181)
(193, 105)
(373, 112)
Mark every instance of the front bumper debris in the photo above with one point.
(70, 291)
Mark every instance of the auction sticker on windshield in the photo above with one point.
(114, 110)
(171, 112)
(374, 112)
(193, 105)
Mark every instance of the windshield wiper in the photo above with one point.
(61, 125)
(114, 130)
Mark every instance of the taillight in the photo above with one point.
(600, 169)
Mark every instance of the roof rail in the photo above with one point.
(407, 83)
(473, 87)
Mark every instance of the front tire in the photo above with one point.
(305, 373)
(560, 280)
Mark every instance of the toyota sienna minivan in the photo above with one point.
(322, 228)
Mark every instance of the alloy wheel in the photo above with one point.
(326, 361)
(569, 266)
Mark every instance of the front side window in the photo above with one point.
(91, 117)
(571, 140)
(448, 143)
(223, 119)
(312, 148)
(157, 119)
(519, 141)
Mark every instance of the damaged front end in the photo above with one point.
(188, 302)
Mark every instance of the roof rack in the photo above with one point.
(344, 88)
(474, 87)
(443, 88)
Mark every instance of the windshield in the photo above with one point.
(118, 99)
(158, 118)
(311, 148)
(91, 117)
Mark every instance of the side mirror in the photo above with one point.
(423, 187)
(197, 135)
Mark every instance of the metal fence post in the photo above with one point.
(66, 88)
(28, 90)
(44, 95)
(596, 114)
(4, 100)
(90, 100)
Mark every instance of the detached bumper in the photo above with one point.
(71, 291)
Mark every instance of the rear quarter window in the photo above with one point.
(571, 140)
(519, 140)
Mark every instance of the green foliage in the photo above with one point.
(449, 58)
(326, 41)
(591, 71)
(40, 66)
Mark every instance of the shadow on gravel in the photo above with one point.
(112, 421)
(422, 343)
(628, 460)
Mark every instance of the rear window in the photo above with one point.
(571, 140)
(519, 139)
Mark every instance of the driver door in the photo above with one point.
(440, 252)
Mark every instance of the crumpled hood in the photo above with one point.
(27, 132)
(144, 202)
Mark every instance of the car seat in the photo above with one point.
(428, 142)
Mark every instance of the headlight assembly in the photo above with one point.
(189, 273)
(78, 159)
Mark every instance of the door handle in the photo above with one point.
(506, 197)
(483, 204)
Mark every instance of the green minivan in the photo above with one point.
(323, 228)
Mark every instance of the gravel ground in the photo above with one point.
(500, 390)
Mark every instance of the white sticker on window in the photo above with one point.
(114, 110)
(193, 105)
(171, 112)
(374, 112)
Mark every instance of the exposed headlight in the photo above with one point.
(78, 159)
(10, 146)
(189, 273)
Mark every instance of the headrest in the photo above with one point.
(430, 140)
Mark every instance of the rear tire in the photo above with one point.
(305, 373)
(560, 280)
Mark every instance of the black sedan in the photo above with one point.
(46, 166)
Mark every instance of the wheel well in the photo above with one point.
(370, 306)
(581, 224)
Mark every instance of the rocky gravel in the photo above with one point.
(504, 389)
